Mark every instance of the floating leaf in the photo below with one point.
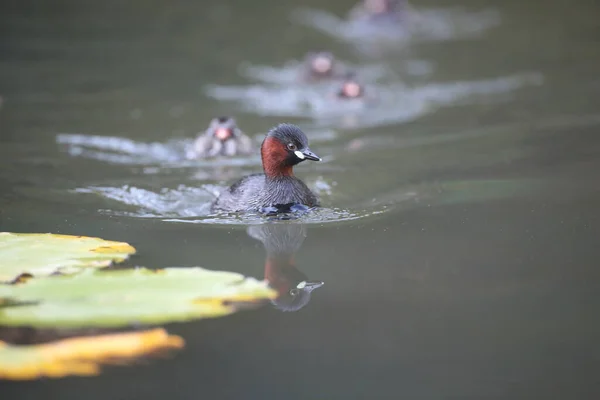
(82, 355)
(42, 254)
(118, 298)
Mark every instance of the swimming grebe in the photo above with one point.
(379, 10)
(285, 146)
(222, 138)
(319, 66)
(351, 88)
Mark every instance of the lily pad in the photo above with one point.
(124, 297)
(43, 254)
(82, 355)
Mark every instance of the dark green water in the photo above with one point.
(465, 264)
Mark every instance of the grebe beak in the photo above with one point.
(309, 286)
(306, 154)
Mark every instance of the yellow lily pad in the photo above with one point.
(135, 296)
(43, 254)
(82, 355)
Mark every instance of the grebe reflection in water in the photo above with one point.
(281, 241)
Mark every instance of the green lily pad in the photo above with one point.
(119, 298)
(43, 254)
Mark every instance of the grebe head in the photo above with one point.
(351, 88)
(223, 128)
(285, 146)
(321, 63)
(381, 6)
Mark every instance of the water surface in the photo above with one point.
(458, 244)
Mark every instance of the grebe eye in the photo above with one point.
(294, 292)
(291, 146)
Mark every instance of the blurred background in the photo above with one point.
(458, 241)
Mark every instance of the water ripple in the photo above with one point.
(383, 105)
(433, 24)
(192, 205)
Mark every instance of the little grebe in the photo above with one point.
(222, 138)
(285, 146)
